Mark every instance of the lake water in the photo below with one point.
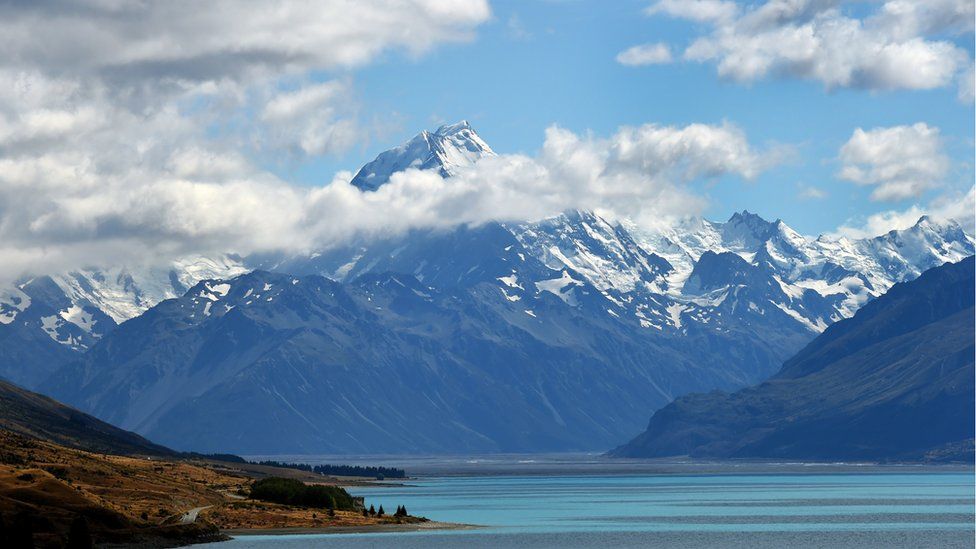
(879, 507)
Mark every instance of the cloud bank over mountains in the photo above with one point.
(199, 201)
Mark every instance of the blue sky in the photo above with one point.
(539, 63)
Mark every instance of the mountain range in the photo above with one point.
(556, 334)
(895, 381)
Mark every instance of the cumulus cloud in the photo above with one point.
(191, 41)
(191, 202)
(901, 45)
(128, 127)
(72, 65)
(960, 207)
(899, 162)
(645, 54)
(311, 120)
(696, 10)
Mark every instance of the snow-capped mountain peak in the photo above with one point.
(747, 231)
(447, 149)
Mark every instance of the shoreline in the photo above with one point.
(364, 529)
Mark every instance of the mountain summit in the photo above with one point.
(446, 149)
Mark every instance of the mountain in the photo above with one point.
(446, 149)
(49, 320)
(691, 306)
(41, 329)
(894, 382)
(642, 269)
(518, 323)
(267, 362)
(39, 417)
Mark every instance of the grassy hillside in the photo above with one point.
(45, 487)
(37, 416)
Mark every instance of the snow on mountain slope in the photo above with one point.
(124, 293)
(48, 320)
(904, 255)
(841, 270)
(600, 250)
(446, 149)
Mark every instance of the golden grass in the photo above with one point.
(145, 496)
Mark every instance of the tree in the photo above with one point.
(365, 512)
(380, 512)
(372, 510)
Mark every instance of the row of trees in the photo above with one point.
(340, 470)
(401, 511)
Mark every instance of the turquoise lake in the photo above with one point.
(823, 509)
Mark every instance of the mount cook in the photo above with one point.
(557, 334)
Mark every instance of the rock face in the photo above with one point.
(894, 382)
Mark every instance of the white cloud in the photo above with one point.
(126, 126)
(909, 18)
(645, 54)
(809, 192)
(960, 207)
(695, 10)
(184, 199)
(192, 41)
(70, 66)
(311, 120)
(126, 139)
(901, 45)
(900, 162)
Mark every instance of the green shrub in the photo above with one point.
(295, 492)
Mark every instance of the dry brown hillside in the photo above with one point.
(44, 487)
